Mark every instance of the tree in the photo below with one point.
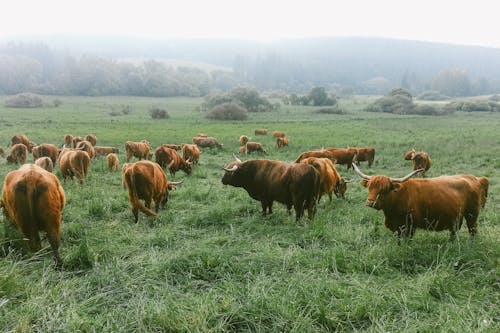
(452, 82)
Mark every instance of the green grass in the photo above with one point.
(210, 263)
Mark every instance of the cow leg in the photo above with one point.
(471, 219)
(311, 209)
(135, 211)
(55, 241)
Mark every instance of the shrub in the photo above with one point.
(228, 111)
(429, 110)
(330, 110)
(248, 98)
(432, 96)
(57, 103)
(399, 104)
(24, 100)
(157, 113)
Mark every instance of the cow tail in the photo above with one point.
(134, 199)
(26, 197)
(483, 181)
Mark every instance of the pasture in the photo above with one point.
(211, 263)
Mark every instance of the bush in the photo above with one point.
(248, 98)
(399, 104)
(430, 110)
(157, 113)
(57, 103)
(433, 96)
(330, 110)
(24, 100)
(228, 111)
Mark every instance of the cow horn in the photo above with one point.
(236, 158)
(408, 176)
(347, 180)
(169, 165)
(176, 183)
(231, 169)
(361, 174)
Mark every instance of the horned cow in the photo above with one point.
(45, 149)
(17, 154)
(74, 163)
(45, 162)
(330, 179)
(139, 150)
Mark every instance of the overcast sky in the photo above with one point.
(450, 21)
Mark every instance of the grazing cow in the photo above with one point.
(365, 155)
(190, 152)
(243, 140)
(113, 161)
(21, 138)
(330, 179)
(336, 155)
(45, 162)
(439, 203)
(75, 141)
(260, 132)
(295, 185)
(281, 141)
(201, 135)
(420, 160)
(68, 141)
(251, 147)
(278, 134)
(105, 150)
(139, 150)
(172, 146)
(170, 158)
(18, 154)
(146, 181)
(206, 142)
(45, 149)
(92, 139)
(33, 200)
(2, 152)
(86, 146)
(74, 163)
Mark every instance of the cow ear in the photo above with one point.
(395, 186)
(363, 182)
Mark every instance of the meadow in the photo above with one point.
(211, 263)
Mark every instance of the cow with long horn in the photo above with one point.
(437, 204)
(295, 185)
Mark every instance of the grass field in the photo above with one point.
(211, 263)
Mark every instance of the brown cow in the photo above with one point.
(206, 142)
(251, 147)
(45, 162)
(92, 139)
(86, 146)
(434, 204)
(33, 200)
(420, 160)
(45, 149)
(330, 179)
(21, 138)
(201, 135)
(260, 132)
(74, 163)
(139, 150)
(243, 140)
(68, 141)
(281, 141)
(365, 155)
(190, 152)
(17, 154)
(105, 150)
(336, 155)
(146, 181)
(75, 141)
(172, 146)
(113, 162)
(278, 134)
(295, 185)
(170, 158)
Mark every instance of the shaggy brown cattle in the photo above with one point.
(190, 152)
(74, 163)
(172, 146)
(33, 200)
(295, 185)
(2, 152)
(243, 140)
(146, 181)
(105, 150)
(206, 142)
(45, 162)
(113, 161)
(76, 140)
(330, 179)
(170, 158)
(278, 134)
(251, 147)
(336, 155)
(281, 141)
(21, 138)
(68, 141)
(365, 155)
(260, 132)
(202, 135)
(92, 139)
(139, 150)
(86, 146)
(434, 204)
(46, 149)
(420, 160)
(17, 154)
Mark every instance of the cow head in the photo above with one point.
(187, 166)
(341, 187)
(233, 173)
(379, 186)
(409, 155)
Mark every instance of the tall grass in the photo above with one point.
(211, 263)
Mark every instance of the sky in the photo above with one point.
(449, 21)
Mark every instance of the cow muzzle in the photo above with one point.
(370, 203)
